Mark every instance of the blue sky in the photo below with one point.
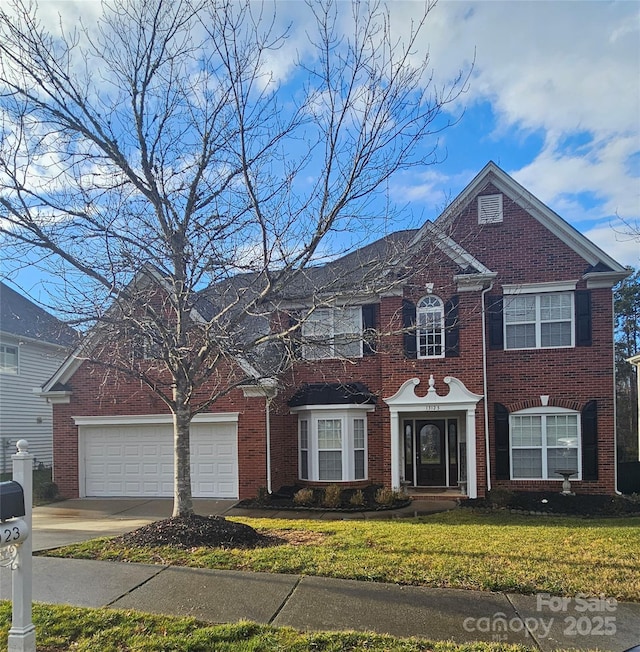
(554, 99)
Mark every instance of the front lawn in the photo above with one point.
(60, 628)
(458, 549)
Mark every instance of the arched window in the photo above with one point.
(430, 327)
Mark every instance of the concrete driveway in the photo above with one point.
(76, 520)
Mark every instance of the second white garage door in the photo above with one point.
(137, 459)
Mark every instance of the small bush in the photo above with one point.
(303, 497)
(500, 497)
(357, 498)
(332, 496)
(263, 497)
(46, 492)
(385, 496)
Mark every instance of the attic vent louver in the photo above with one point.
(490, 209)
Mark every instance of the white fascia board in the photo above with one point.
(152, 419)
(5, 336)
(597, 280)
(449, 247)
(474, 282)
(332, 300)
(56, 398)
(539, 288)
(261, 390)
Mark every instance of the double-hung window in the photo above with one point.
(332, 445)
(544, 442)
(304, 448)
(8, 359)
(329, 449)
(430, 327)
(539, 321)
(333, 333)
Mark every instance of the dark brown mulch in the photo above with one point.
(194, 531)
(554, 502)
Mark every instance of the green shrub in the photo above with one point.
(332, 496)
(500, 497)
(303, 497)
(45, 493)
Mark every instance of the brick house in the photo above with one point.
(491, 366)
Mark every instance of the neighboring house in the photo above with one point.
(492, 367)
(635, 361)
(33, 344)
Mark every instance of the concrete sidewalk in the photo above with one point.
(306, 603)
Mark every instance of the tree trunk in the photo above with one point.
(182, 501)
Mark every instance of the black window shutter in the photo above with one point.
(452, 328)
(501, 421)
(495, 325)
(368, 328)
(583, 317)
(409, 324)
(295, 337)
(590, 441)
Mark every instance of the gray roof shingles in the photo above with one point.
(21, 317)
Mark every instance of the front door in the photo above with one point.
(431, 458)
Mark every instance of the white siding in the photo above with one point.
(24, 414)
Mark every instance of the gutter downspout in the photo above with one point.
(268, 437)
(484, 382)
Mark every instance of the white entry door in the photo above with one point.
(136, 459)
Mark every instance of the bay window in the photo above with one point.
(332, 444)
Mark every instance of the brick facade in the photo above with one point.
(525, 247)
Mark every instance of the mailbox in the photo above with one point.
(11, 500)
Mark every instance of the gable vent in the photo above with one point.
(490, 209)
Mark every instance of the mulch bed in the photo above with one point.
(548, 502)
(194, 531)
(283, 499)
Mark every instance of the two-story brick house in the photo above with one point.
(491, 366)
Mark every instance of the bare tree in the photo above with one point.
(156, 153)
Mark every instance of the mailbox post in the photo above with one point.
(16, 531)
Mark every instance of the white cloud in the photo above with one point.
(568, 72)
(618, 242)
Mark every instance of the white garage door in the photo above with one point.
(137, 460)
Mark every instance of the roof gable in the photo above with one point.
(491, 174)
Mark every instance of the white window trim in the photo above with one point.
(330, 346)
(419, 330)
(347, 415)
(538, 326)
(17, 349)
(544, 412)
